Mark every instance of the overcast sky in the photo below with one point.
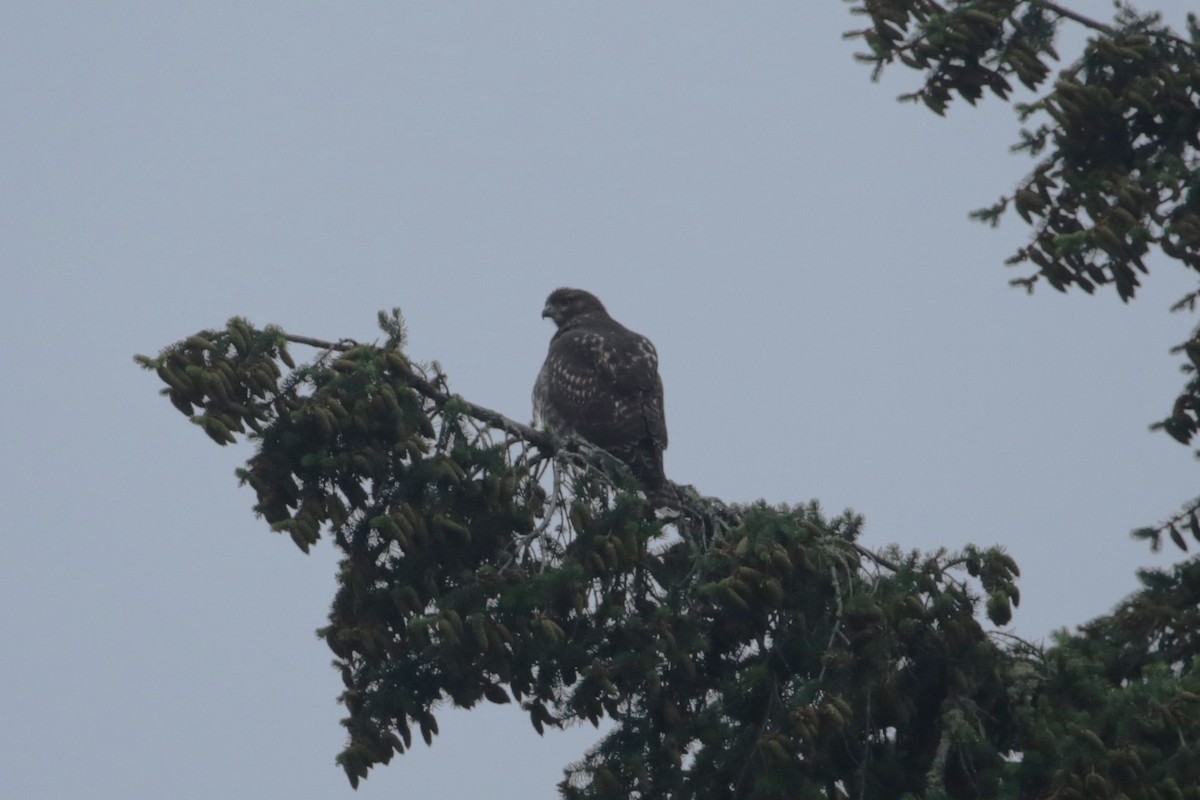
(724, 176)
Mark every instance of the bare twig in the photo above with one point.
(936, 776)
(1096, 25)
(1075, 16)
(837, 619)
(878, 559)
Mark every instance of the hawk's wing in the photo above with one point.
(602, 383)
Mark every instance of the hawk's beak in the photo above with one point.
(548, 311)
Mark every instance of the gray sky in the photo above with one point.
(723, 176)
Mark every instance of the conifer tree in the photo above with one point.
(1115, 138)
(748, 651)
(740, 651)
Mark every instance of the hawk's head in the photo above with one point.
(565, 305)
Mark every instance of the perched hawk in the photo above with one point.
(600, 382)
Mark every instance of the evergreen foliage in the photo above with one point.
(751, 651)
(747, 651)
(1115, 137)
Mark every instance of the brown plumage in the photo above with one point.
(600, 382)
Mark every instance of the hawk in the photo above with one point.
(600, 382)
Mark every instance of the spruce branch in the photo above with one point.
(699, 519)
(543, 439)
